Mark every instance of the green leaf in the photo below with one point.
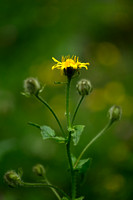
(80, 198)
(47, 132)
(83, 165)
(76, 133)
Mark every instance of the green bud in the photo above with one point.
(12, 178)
(39, 170)
(31, 86)
(115, 113)
(84, 87)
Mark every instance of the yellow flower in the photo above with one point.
(68, 62)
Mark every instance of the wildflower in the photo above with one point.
(115, 113)
(31, 86)
(69, 65)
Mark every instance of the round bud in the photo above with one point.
(31, 86)
(84, 87)
(39, 170)
(115, 113)
(12, 178)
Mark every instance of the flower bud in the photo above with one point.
(39, 170)
(12, 178)
(115, 113)
(31, 86)
(84, 87)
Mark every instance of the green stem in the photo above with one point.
(48, 106)
(69, 141)
(76, 110)
(53, 189)
(25, 184)
(67, 103)
(71, 166)
(92, 141)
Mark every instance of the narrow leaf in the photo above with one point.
(47, 132)
(64, 198)
(77, 131)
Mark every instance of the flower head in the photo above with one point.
(115, 113)
(69, 65)
(84, 87)
(12, 179)
(39, 170)
(32, 86)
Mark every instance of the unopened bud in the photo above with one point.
(31, 86)
(84, 87)
(39, 170)
(12, 178)
(115, 113)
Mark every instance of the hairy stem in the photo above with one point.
(51, 110)
(69, 142)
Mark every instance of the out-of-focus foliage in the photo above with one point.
(99, 32)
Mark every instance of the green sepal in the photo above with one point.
(64, 198)
(20, 172)
(76, 133)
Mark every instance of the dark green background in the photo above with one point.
(99, 32)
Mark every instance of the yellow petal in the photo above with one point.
(55, 59)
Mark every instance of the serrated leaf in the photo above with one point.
(83, 165)
(80, 198)
(47, 132)
(76, 133)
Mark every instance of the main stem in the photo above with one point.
(69, 141)
(51, 110)
(92, 141)
(67, 103)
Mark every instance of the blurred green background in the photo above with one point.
(99, 32)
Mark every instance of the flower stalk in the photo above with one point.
(52, 111)
(92, 141)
